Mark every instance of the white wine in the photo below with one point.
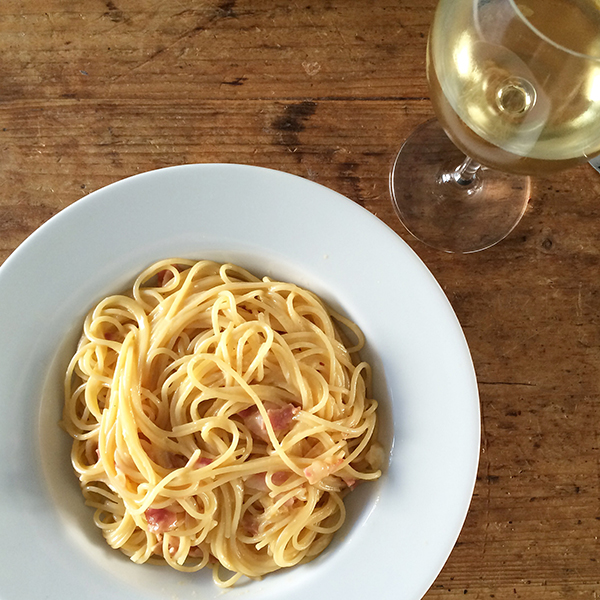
(517, 85)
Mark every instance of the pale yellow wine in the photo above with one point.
(520, 89)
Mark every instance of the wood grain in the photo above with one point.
(94, 91)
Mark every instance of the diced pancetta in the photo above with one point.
(289, 503)
(250, 523)
(196, 552)
(350, 482)
(254, 421)
(280, 417)
(257, 482)
(163, 277)
(280, 477)
(319, 469)
(160, 520)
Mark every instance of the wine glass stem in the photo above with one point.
(466, 173)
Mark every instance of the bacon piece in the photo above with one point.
(320, 469)
(196, 552)
(255, 423)
(257, 482)
(160, 520)
(281, 419)
(350, 482)
(250, 523)
(202, 462)
(164, 276)
(280, 477)
(289, 503)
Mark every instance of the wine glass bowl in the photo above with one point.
(516, 88)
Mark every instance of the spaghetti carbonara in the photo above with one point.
(218, 419)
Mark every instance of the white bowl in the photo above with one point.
(400, 530)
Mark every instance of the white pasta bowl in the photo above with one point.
(400, 529)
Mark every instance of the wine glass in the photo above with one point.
(516, 89)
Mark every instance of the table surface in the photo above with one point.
(98, 90)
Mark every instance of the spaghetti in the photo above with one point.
(218, 419)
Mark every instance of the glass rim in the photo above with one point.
(549, 40)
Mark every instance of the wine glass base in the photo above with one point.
(441, 212)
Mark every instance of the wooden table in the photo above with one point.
(93, 91)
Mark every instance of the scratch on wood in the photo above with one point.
(235, 81)
(225, 10)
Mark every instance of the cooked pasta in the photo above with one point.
(218, 419)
